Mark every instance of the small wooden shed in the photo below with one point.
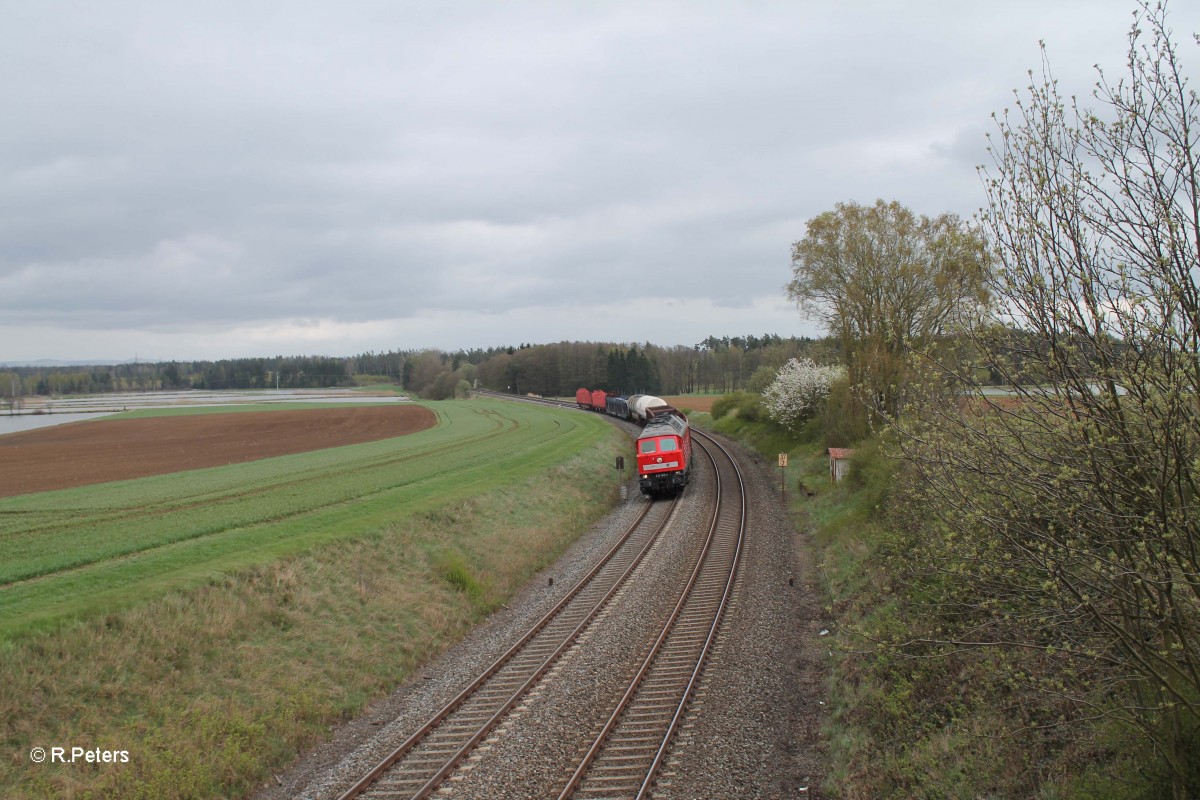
(839, 463)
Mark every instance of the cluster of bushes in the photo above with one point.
(837, 418)
(961, 672)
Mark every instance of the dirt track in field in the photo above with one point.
(98, 451)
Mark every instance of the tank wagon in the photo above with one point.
(664, 452)
(632, 401)
(645, 407)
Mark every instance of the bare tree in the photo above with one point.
(1070, 510)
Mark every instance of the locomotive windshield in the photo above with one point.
(658, 444)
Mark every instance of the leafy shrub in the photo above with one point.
(844, 417)
(761, 379)
(872, 472)
(744, 405)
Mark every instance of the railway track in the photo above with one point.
(419, 764)
(624, 752)
(627, 753)
(525, 398)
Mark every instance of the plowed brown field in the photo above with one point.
(693, 402)
(104, 450)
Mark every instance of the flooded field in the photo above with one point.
(29, 422)
(41, 412)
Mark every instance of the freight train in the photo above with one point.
(664, 446)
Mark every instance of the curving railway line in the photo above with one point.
(626, 755)
(621, 753)
(420, 763)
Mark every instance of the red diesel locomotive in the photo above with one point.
(664, 452)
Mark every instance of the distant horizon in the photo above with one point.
(56, 362)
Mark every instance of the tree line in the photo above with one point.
(293, 372)
(715, 365)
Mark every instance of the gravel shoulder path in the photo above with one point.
(754, 729)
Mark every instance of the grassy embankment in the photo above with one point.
(844, 522)
(213, 623)
(925, 722)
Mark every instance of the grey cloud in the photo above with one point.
(227, 164)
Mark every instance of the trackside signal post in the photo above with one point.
(782, 481)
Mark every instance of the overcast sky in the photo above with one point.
(221, 179)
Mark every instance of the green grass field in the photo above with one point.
(215, 623)
(95, 549)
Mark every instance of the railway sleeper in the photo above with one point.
(606, 793)
(435, 747)
(639, 758)
(425, 759)
(651, 712)
(624, 747)
(637, 733)
(610, 779)
(673, 659)
(443, 744)
(454, 737)
(490, 696)
(613, 789)
(495, 689)
(537, 657)
(515, 673)
(655, 726)
(631, 743)
(385, 788)
(631, 775)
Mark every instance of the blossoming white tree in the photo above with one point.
(798, 391)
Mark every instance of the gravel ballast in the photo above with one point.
(752, 731)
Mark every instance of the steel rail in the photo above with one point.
(546, 401)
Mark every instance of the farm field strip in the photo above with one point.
(141, 446)
(205, 486)
(283, 490)
(82, 550)
(155, 501)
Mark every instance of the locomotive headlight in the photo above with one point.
(659, 459)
